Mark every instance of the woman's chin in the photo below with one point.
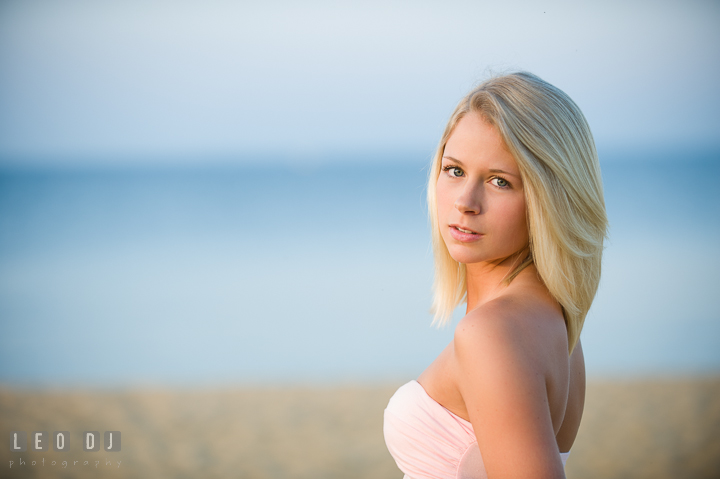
(465, 256)
(461, 255)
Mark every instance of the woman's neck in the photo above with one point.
(486, 281)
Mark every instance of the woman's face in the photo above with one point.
(480, 198)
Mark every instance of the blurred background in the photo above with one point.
(223, 203)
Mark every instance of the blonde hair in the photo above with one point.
(548, 136)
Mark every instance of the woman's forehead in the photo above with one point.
(476, 143)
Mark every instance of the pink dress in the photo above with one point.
(427, 441)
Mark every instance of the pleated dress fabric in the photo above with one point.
(428, 441)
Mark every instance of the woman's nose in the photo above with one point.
(468, 201)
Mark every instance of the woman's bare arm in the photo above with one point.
(502, 358)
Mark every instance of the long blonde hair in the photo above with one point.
(551, 142)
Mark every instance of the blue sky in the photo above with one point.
(169, 82)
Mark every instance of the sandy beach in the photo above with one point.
(631, 429)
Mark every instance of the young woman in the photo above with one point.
(518, 221)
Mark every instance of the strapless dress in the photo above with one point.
(428, 441)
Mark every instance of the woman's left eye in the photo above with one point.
(501, 182)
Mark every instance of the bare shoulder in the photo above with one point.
(513, 326)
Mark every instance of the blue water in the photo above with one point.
(274, 274)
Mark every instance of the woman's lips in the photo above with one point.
(464, 235)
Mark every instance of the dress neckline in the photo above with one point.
(464, 421)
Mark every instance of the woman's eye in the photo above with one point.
(501, 182)
(454, 171)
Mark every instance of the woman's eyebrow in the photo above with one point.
(493, 170)
(453, 159)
